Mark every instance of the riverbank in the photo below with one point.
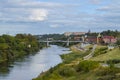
(32, 65)
(13, 47)
(75, 68)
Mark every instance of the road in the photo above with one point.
(91, 54)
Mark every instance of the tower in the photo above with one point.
(99, 35)
(89, 31)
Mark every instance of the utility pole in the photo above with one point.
(98, 38)
(47, 42)
(68, 41)
(83, 39)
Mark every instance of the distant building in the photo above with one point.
(77, 38)
(74, 33)
(109, 39)
(105, 39)
(68, 33)
(93, 39)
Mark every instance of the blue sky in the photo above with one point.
(58, 16)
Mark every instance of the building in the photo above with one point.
(93, 39)
(103, 39)
(74, 33)
(78, 38)
(109, 39)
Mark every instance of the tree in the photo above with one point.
(2, 40)
(118, 43)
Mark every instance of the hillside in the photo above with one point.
(75, 68)
(110, 55)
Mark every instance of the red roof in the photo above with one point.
(109, 37)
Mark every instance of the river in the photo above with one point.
(31, 66)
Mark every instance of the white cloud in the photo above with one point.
(23, 14)
(27, 11)
(38, 15)
(69, 13)
(54, 25)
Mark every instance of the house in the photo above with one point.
(93, 39)
(77, 38)
(74, 33)
(109, 39)
(105, 39)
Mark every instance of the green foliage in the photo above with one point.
(108, 73)
(90, 48)
(13, 47)
(111, 33)
(54, 36)
(86, 66)
(114, 61)
(67, 71)
(67, 58)
(101, 50)
(4, 46)
(2, 40)
(92, 34)
(70, 69)
(118, 43)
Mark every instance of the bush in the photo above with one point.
(67, 71)
(86, 66)
(114, 61)
(108, 71)
(90, 48)
(102, 50)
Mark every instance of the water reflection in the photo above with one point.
(31, 66)
(4, 70)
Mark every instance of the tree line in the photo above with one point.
(12, 47)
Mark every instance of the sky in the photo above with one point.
(58, 16)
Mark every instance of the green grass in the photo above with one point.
(114, 54)
(89, 46)
(75, 68)
(100, 50)
(75, 50)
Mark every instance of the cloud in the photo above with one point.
(68, 14)
(54, 25)
(38, 15)
(29, 11)
(23, 14)
(111, 14)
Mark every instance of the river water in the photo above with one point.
(31, 66)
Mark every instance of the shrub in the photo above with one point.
(90, 48)
(102, 50)
(114, 61)
(67, 71)
(86, 66)
(108, 71)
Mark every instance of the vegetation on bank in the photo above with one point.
(110, 55)
(104, 65)
(75, 68)
(12, 47)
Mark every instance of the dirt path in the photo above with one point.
(91, 54)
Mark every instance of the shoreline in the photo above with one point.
(74, 67)
(44, 72)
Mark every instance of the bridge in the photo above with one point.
(62, 41)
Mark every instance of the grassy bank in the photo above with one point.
(75, 68)
(112, 54)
